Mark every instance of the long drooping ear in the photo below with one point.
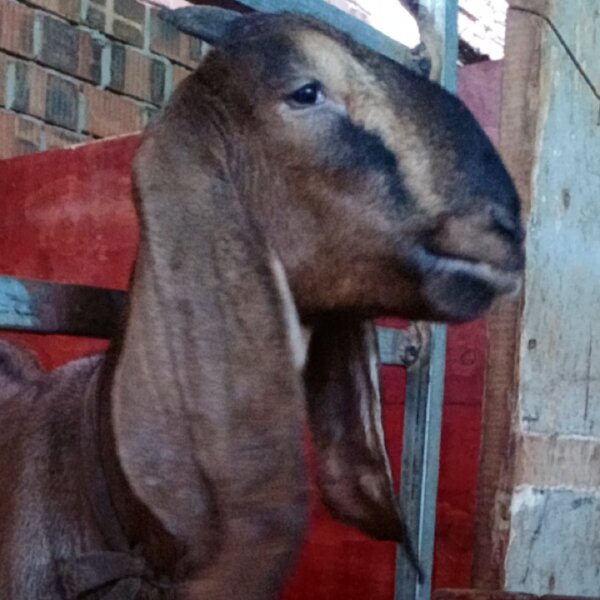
(208, 23)
(207, 401)
(342, 387)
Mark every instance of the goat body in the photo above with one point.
(295, 180)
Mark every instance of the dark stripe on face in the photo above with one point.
(351, 147)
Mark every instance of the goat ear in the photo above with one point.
(342, 387)
(208, 23)
(209, 438)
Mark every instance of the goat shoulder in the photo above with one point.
(43, 505)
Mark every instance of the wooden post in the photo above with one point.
(539, 499)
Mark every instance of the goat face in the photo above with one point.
(390, 198)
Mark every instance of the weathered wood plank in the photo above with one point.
(560, 349)
(544, 557)
(78, 310)
(550, 461)
(520, 105)
(547, 517)
(53, 308)
(494, 595)
(496, 466)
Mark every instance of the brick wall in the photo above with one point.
(76, 70)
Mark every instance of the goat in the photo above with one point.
(295, 186)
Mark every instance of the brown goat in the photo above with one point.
(295, 183)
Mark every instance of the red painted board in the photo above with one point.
(67, 216)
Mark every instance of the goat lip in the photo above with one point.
(429, 263)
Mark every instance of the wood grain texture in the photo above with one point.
(538, 503)
(492, 595)
(518, 127)
(554, 527)
(547, 461)
(560, 348)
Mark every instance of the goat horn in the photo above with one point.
(208, 23)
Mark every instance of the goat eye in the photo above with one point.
(308, 95)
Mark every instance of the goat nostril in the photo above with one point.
(507, 223)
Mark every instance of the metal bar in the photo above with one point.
(420, 461)
(445, 18)
(55, 308)
(400, 347)
(58, 308)
(425, 386)
(360, 31)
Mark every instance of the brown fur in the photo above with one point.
(175, 466)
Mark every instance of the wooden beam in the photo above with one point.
(48, 307)
(494, 595)
(520, 105)
(53, 308)
(539, 508)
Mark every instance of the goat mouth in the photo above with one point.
(430, 263)
(457, 288)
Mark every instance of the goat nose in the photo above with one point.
(508, 223)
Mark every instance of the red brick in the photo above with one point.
(4, 62)
(95, 17)
(150, 113)
(137, 75)
(123, 19)
(45, 95)
(131, 10)
(165, 39)
(61, 138)
(110, 114)
(18, 135)
(70, 49)
(89, 64)
(179, 74)
(16, 28)
(128, 32)
(62, 102)
(69, 9)
(30, 83)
